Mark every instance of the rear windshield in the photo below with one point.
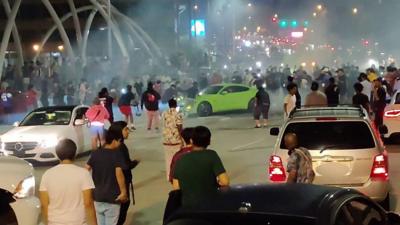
(333, 135)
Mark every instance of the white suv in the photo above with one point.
(346, 150)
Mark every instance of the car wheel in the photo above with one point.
(7, 214)
(250, 107)
(204, 109)
(386, 203)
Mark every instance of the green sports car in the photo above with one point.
(224, 97)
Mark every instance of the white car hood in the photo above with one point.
(12, 171)
(32, 133)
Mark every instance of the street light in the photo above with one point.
(36, 47)
(314, 14)
(319, 7)
(355, 10)
(249, 5)
(195, 7)
(60, 47)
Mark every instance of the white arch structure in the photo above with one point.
(135, 31)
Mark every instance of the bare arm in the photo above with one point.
(44, 201)
(223, 179)
(175, 184)
(285, 108)
(88, 167)
(292, 177)
(89, 207)
(123, 197)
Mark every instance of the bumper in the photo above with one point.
(27, 210)
(376, 190)
(37, 154)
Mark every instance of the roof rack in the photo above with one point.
(342, 110)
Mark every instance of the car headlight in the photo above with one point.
(25, 188)
(201, 93)
(49, 143)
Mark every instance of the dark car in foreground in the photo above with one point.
(281, 204)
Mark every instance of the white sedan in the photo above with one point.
(17, 192)
(391, 117)
(35, 138)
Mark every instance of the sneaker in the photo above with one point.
(257, 126)
(132, 128)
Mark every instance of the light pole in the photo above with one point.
(109, 34)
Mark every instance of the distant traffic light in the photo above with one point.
(283, 23)
(294, 23)
(274, 19)
(306, 23)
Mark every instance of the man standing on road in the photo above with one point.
(107, 102)
(289, 102)
(361, 99)
(125, 106)
(187, 135)
(261, 107)
(316, 97)
(107, 166)
(299, 166)
(172, 127)
(150, 99)
(379, 103)
(66, 190)
(332, 93)
(367, 86)
(200, 173)
(97, 116)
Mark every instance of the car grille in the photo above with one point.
(19, 149)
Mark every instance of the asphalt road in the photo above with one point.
(243, 150)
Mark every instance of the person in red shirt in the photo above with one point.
(187, 135)
(31, 98)
(97, 115)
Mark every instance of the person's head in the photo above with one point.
(113, 138)
(363, 76)
(201, 137)
(187, 135)
(150, 86)
(121, 127)
(195, 84)
(332, 80)
(172, 103)
(66, 150)
(103, 92)
(290, 79)
(173, 86)
(378, 82)
(291, 141)
(314, 86)
(358, 87)
(96, 101)
(340, 72)
(129, 88)
(292, 88)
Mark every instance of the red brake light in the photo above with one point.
(380, 168)
(276, 169)
(392, 113)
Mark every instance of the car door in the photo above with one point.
(232, 97)
(83, 139)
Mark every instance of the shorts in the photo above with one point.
(97, 131)
(258, 111)
(126, 110)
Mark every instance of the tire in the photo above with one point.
(386, 203)
(204, 109)
(250, 106)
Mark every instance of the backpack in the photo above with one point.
(305, 170)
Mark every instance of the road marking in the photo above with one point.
(238, 148)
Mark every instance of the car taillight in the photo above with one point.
(276, 169)
(392, 113)
(380, 168)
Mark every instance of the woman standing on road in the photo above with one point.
(97, 115)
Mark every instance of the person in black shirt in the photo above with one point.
(379, 102)
(107, 165)
(125, 103)
(107, 101)
(193, 91)
(332, 93)
(122, 127)
(150, 99)
(361, 99)
(261, 106)
(139, 87)
(170, 93)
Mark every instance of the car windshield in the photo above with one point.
(212, 90)
(47, 118)
(334, 135)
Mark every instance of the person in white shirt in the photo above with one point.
(66, 191)
(289, 102)
(367, 85)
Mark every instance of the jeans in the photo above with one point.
(107, 213)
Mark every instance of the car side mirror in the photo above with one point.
(394, 218)
(224, 93)
(16, 124)
(383, 129)
(79, 122)
(274, 131)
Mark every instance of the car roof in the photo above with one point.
(290, 199)
(230, 84)
(56, 108)
(341, 111)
